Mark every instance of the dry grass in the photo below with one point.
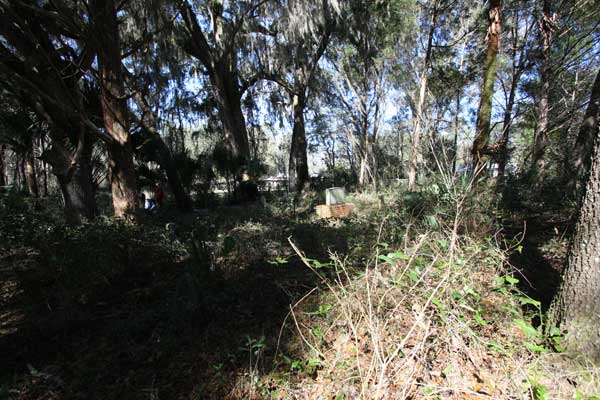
(436, 316)
(429, 322)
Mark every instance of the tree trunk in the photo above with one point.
(587, 133)
(541, 133)
(22, 179)
(221, 71)
(416, 154)
(484, 113)
(2, 165)
(30, 173)
(44, 166)
(167, 163)
(229, 99)
(298, 165)
(182, 199)
(575, 308)
(114, 109)
(506, 126)
(73, 172)
(456, 128)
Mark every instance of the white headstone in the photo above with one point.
(335, 195)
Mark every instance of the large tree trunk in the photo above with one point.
(587, 133)
(2, 165)
(298, 166)
(229, 99)
(484, 113)
(541, 133)
(576, 307)
(222, 74)
(416, 154)
(114, 109)
(73, 172)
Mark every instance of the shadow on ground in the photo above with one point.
(174, 331)
(542, 256)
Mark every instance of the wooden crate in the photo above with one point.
(334, 210)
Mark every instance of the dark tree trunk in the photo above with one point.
(73, 173)
(298, 168)
(167, 163)
(506, 126)
(229, 99)
(114, 109)
(15, 177)
(30, 173)
(2, 165)
(182, 199)
(44, 166)
(587, 133)
(484, 113)
(541, 133)
(575, 308)
(22, 179)
(222, 72)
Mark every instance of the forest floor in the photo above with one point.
(220, 320)
(159, 333)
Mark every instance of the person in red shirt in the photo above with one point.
(159, 195)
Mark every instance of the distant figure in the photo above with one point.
(149, 199)
(159, 195)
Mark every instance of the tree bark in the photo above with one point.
(541, 133)
(114, 109)
(484, 113)
(73, 172)
(416, 154)
(30, 173)
(575, 308)
(588, 132)
(229, 99)
(298, 164)
(223, 78)
(2, 165)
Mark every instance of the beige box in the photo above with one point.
(335, 210)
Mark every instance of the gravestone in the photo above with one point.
(335, 195)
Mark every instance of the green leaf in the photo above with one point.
(278, 261)
(511, 280)
(479, 319)
(534, 347)
(529, 300)
(496, 346)
(386, 259)
(539, 392)
(413, 276)
(526, 327)
(398, 255)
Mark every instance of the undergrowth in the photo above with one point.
(413, 297)
(435, 313)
